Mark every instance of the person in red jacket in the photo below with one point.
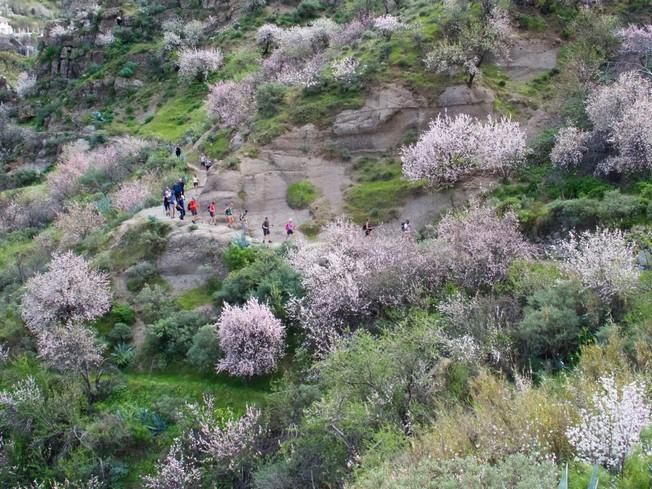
(211, 212)
(192, 207)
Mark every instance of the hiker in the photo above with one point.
(266, 232)
(244, 220)
(228, 212)
(167, 195)
(181, 206)
(407, 229)
(367, 228)
(289, 228)
(173, 205)
(177, 152)
(177, 189)
(195, 182)
(211, 212)
(192, 207)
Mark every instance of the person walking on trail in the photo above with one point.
(289, 228)
(266, 231)
(167, 195)
(367, 228)
(407, 229)
(195, 182)
(177, 152)
(181, 206)
(244, 220)
(211, 212)
(228, 212)
(178, 189)
(173, 204)
(192, 207)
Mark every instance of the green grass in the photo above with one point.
(379, 192)
(321, 108)
(217, 145)
(197, 297)
(181, 114)
(301, 194)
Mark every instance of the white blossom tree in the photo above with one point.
(251, 338)
(25, 84)
(232, 103)
(637, 40)
(388, 25)
(609, 428)
(268, 37)
(345, 71)
(453, 148)
(176, 471)
(603, 260)
(570, 147)
(69, 292)
(199, 63)
(490, 35)
(478, 246)
(133, 194)
(348, 280)
(77, 222)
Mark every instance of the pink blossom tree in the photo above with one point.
(73, 163)
(251, 338)
(72, 349)
(453, 148)
(69, 292)
(176, 471)
(199, 63)
(77, 222)
(232, 103)
(570, 147)
(348, 280)
(611, 425)
(267, 37)
(603, 260)
(132, 195)
(478, 246)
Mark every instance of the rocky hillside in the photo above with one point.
(464, 351)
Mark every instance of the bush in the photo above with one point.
(269, 98)
(236, 257)
(555, 322)
(128, 69)
(269, 279)
(301, 194)
(173, 335)
(120, 333)
(205, 349)
(308, 9)
(139, 274)
(153, 303)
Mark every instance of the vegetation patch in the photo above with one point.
(301, 194)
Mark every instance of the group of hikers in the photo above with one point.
(174, 203)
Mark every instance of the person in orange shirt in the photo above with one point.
(192, 207)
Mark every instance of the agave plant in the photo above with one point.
(593, 482)
(123, 354)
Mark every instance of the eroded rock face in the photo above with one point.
(192, 257)
(530, 58)
(460, 99)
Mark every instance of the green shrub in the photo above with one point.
(173, 335)
(154, 302)
(269, 279)
(128, 69)
(139, 274)
(555, 322)
(120, 333)
(308, 9)
(236, 257)
(301, 194)
(205, 349)
(269, 97)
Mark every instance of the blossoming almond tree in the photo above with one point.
(199, 63)
(610, 427)
(478, 246)
(251, 338)
(77, 222)
(132, 195)
(176, 471)
(637, 40)
(69, 292)
(603, 260)
(388, 25)
(453, 148)
(570, 147)
(232, 103)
